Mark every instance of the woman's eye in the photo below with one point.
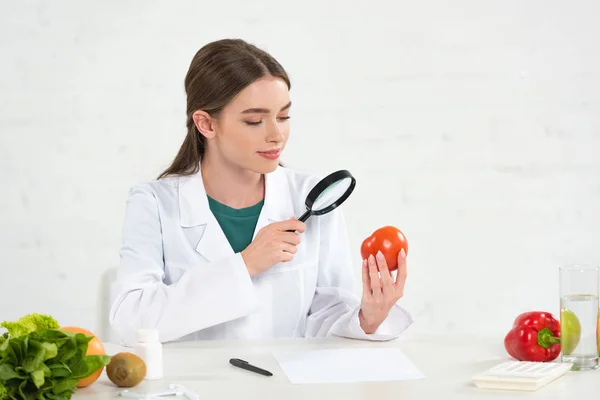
(254, 123)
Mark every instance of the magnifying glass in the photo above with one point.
(329, 194)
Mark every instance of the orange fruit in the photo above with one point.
(95, 347)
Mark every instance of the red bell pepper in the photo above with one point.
(535, 336)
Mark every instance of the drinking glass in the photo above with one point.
(579, 315)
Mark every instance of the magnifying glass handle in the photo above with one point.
(302, 218)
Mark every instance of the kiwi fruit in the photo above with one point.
(126, 369)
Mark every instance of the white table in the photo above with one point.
(447, 362)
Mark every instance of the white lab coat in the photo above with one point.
(179, 275)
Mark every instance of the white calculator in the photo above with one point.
(521, 375)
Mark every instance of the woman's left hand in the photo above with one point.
(380, 293)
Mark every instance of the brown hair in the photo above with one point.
(217, 73)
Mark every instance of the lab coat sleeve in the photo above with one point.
(335, 307)
(218, 292)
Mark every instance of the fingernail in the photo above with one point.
(402, 254)
(380, 255)
(371, 259)
(365, 262)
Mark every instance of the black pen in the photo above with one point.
(245, 365)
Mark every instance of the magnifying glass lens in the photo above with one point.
(331, 194)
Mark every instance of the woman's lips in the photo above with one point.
(270, 154)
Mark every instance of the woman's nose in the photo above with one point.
(274, 133)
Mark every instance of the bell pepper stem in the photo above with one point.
(546, 338)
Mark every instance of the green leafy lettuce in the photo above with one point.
(38, 361)
(29, 323)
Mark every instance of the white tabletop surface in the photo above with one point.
(448, 364)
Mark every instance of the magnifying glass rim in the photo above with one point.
(323, 184)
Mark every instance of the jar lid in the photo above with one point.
(147, 335)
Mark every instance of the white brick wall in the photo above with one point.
(474, 126)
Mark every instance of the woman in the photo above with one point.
(207, 252)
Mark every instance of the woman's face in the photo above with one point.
(252, 130)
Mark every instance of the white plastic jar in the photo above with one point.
(150, 349)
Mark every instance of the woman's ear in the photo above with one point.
(204, 123)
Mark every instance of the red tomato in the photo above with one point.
(389, 240)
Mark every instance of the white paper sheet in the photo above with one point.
(347, 365)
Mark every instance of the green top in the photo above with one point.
(238, 224)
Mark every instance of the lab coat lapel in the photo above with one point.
(277, 205)
(202, 229)
(200, 226)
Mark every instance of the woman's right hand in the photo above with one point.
(272, 244)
